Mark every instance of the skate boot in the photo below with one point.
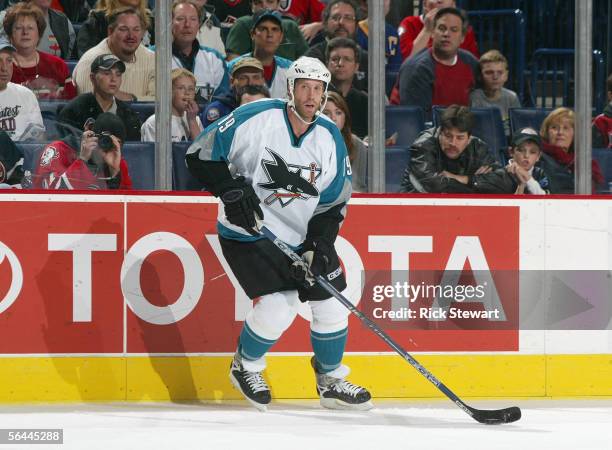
(337, 393)
(251, 384)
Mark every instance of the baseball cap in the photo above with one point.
(111, 123)
(4, 45)
(247, 61)
(524, 135)
(106, 62)
(266, 14)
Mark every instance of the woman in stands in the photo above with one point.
(95, 28)
(45, 74)
(557, 132)
(337, 110)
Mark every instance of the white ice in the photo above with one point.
(293, 425)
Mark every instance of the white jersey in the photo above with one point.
(295, 179)
(20, 114)
(278, 85)
(210, 71)
(179, 125)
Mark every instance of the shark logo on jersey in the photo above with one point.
(286, 180)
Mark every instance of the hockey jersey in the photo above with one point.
(278, 85)
(210, 72)
(295, 178)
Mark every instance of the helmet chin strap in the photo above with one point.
(291, 105)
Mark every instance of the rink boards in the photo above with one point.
(127, 297)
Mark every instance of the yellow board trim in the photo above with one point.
(139, 378)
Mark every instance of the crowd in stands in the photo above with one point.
(86, 64)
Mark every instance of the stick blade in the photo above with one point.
(499, 416)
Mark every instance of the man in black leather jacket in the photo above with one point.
(449, 159)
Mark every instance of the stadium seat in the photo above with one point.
(31, 151)
(604, 157)
(140, 158)
(406, 121)
(488, 126)
(50, 110)
(396, 161)
(182, 180)
(143, 109)
(527, 117)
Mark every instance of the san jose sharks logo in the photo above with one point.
(287, 182)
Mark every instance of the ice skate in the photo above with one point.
(251, 384)
(337, 393)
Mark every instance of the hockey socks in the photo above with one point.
(252, 346)
(328, 349)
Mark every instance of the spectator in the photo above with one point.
(292, 46)
(106, 75)
(557, 132)
(415, 32)
(602, 124)
(251, 92)
(525, 152)
(267, 35)
(306, 13)
(96, 27)
(186, 124)
(11, 163)
(209, 34)
(44, 74)
(443, 75)
(339, 112)
(229, 11)
(58, 37)
(206, 64)
(97, 164)
(493, 67)
(450, 159)
(76, 10)
(19, 111)
(343, 64)
(246, 71)
(392, 51)
(340, 20)
(125, 30)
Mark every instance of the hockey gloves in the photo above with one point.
(241, 204)
(316, 255)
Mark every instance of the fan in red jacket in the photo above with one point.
(96, 165)
(415, 31)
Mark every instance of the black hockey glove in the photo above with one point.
(241, 204)
(316, 255)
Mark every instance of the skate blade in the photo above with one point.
(334, 403)
(259, 406)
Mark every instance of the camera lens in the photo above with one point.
(105, 142)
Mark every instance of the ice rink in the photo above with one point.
(405, 424)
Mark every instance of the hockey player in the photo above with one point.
(289, 170)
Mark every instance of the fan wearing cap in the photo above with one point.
(20, 114)
(248, 71)
(526, 152)
(267, 34)
(97, 164)
(106, 76)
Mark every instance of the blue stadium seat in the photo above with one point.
(407, 121)
(50, 110)
(488, 126)
(140, 158)
(396, 161)
(182, 180)
(143, 109)
(527, 117)
(604, 157)
(31, 152)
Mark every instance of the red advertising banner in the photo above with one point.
(146, 275)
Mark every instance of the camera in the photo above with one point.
(105, 142)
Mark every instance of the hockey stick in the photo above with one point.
(491, 417)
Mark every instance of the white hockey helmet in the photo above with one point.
(310, 69)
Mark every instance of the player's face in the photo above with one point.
(526, 154)
(6, 68)
(343, 64)
(107, 81)
(25, 33)
(447, 35)
(342, 21)
(249, 76)
(335, 114)
(248, 98)
(185, 23)
(454, 142)
(127, 35)
(561, 133)
(258, 5)
(183, 92)
(267, 36)
(494, 75)
(307, 96)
